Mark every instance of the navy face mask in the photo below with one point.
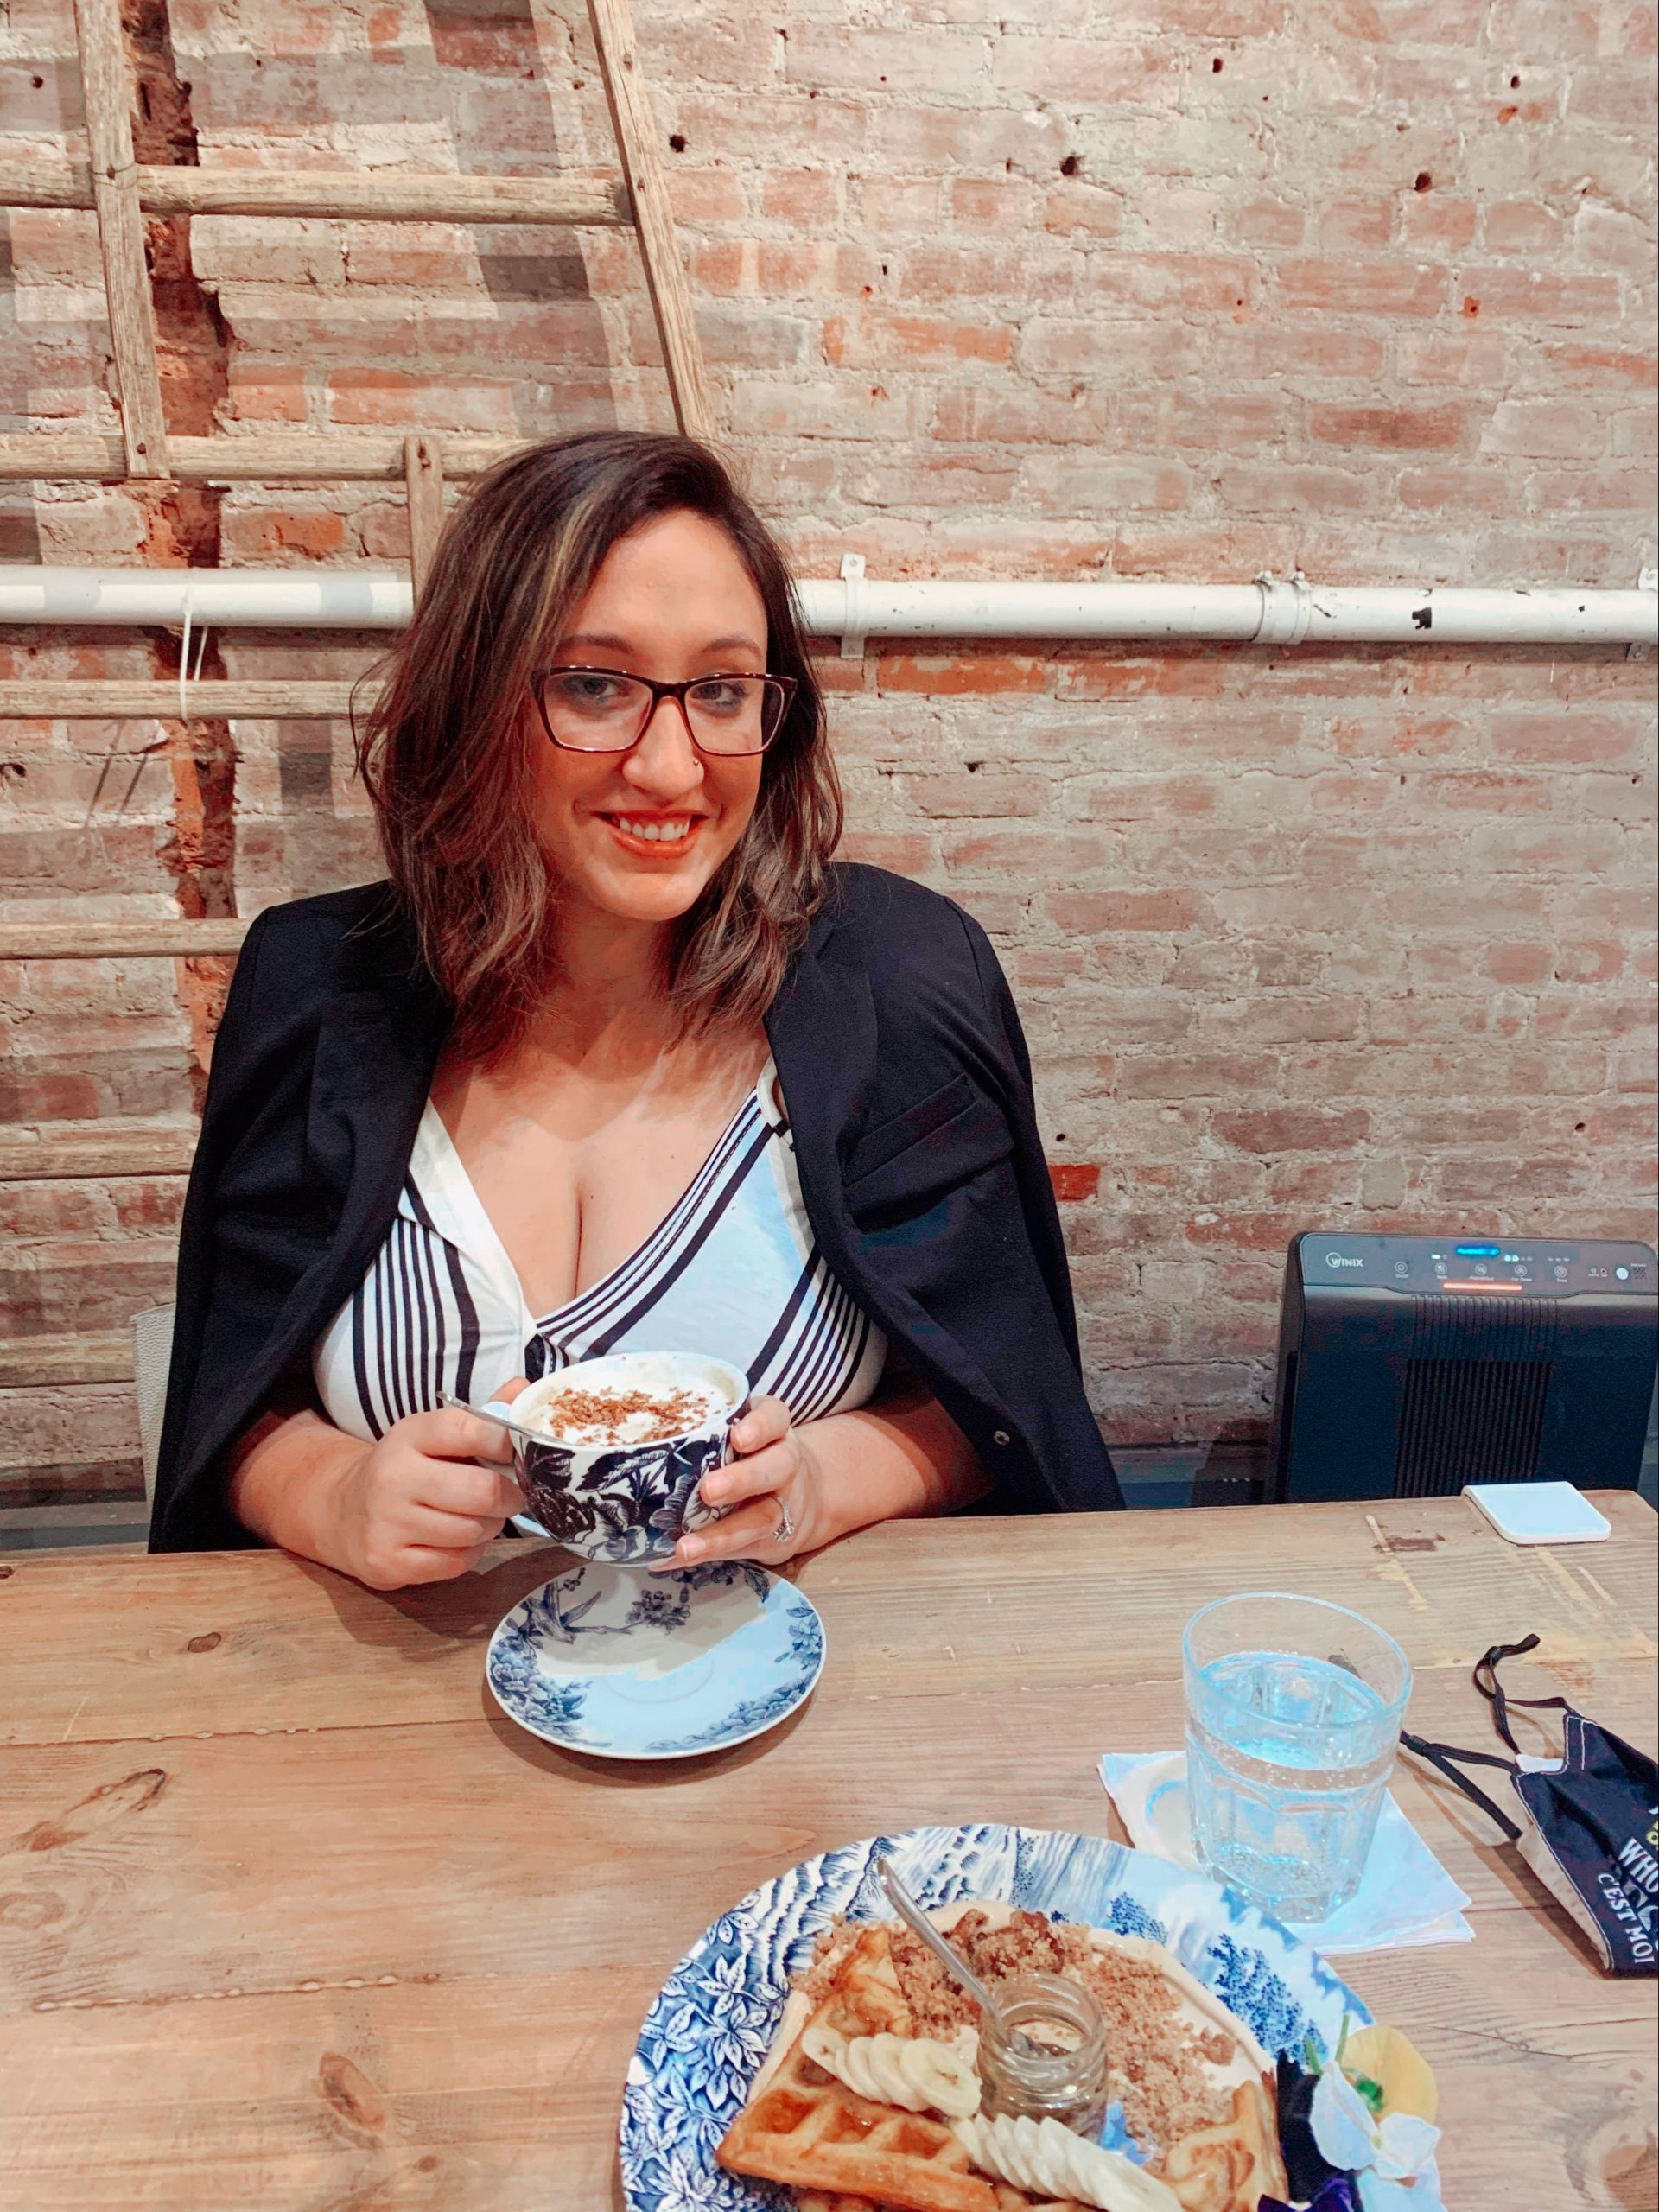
(1589, 1826)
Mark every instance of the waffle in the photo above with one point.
(808, 2129)
(1007, 2199)
(1231, 2166)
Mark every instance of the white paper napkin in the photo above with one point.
(1406, 1899)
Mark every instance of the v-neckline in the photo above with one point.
(441, 1147)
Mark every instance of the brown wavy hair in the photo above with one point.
(447, 751)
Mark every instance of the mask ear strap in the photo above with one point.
(1442, 1756)
(1486, 1682)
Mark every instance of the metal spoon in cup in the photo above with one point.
(489, 1413)
(919, 1924)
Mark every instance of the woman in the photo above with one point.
(617, 1060)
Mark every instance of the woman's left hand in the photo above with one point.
(771, 1495)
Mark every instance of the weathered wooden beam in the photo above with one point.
(107, 96)
(72, 456)
(278, 457)
(591, 198)
(108, 1148)
(36, 1362)
(423, 487)
(115, 699)
(665, 278)
(595, 198)
(29, 180)
(113, 938)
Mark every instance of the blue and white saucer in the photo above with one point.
(627, 1665)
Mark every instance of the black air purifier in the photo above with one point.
(1411, 1365)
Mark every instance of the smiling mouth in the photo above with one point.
(656, 834)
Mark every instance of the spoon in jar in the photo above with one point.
(952, 1960)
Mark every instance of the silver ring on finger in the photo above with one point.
(785, 1529)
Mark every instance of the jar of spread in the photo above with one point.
(1044, 2056)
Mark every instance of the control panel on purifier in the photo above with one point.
(1423, 1265)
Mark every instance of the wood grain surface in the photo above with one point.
(242, 457)
(38, 1363)
(289, 1914)
(423, 489)
(105, 95)
(344, 196)
(95, 698)
(46, 1151)
(659, 251)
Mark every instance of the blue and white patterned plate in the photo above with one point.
(627, 1665)
(710, 2029)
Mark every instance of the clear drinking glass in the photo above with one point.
(1293, 1720)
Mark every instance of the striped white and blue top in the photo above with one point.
(733, 1272)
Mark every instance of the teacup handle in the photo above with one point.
(726, 1441)
(695, 1504)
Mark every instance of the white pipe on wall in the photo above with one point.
(1267, 612)
(1277, 612)
(265, 599)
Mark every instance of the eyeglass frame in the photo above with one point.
(787, 684)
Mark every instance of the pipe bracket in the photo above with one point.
(1646, 580)
(852, 621)
(1286, 609)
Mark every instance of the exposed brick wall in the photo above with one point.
(1055, 288)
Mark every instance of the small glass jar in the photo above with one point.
(1063, 2075)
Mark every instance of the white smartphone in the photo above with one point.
(1540, 1513)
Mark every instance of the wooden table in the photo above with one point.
(290, 1916)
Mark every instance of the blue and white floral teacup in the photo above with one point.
(630, 1503)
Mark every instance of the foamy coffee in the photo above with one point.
(598, 1417)
(619, 1445)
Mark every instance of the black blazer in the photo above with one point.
(908, 1087)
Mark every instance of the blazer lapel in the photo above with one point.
(825, 1044)
(379, 1045)
(823, 1033)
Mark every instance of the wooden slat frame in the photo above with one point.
(121, 191)
(121, 235)
(591, 199)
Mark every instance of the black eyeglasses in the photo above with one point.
(603, 710)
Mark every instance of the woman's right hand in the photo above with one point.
(415, 1508)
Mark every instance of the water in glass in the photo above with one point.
(1293, 1718)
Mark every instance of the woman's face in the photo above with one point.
(672, 601)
